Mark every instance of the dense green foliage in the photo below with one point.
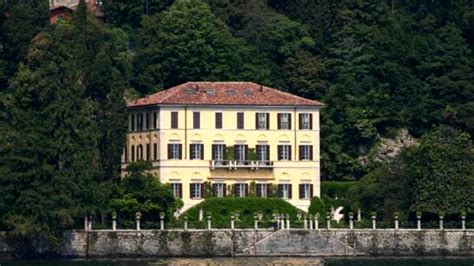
(336, 189)
(435, 176)
(221, 209)
(142, 192)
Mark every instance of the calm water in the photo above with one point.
(252, 261)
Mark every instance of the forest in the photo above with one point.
(378, 66)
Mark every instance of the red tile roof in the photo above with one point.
(222, 93)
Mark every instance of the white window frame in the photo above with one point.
(262, 156)
(174, 151)
(240, 187)
(196, 152)
(263, 190)
(285, 152)
(196, 191)
(241, 152)
(285, 188)
(175, 188)
(220, 190)
(307, 191)
(219, 152)
(306, 152)
(261, 120)
(284, 121)
(305, 121)
(139, 152)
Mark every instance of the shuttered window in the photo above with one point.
(174, 151)
(196, 151)
(218, 152)
(240, 190)
(174, 119)
(177, 190)
(196, 191)
(284, 152)
(305, 121)
(306, 191)
(196, 120)
(262, 190)
(284, 191)
(218, 120)
(284, 121)
(263, 152)
(219, 190)
(240, 120)
(262, 120)
(139, 122)
(240, 153)
(305, 152)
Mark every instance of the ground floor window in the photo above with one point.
(261, 190)
(219, 190)
(196, 191)
(306, 191)
(284, 191)
(240, 190)
(177, 190)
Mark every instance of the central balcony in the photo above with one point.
(236, 164)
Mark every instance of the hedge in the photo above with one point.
(335, 189)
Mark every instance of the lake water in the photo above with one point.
(252, 261)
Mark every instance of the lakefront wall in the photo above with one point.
(247, 242)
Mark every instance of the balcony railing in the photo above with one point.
(236, 164)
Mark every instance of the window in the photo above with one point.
(196, 191)
(263, 152)
(147, 121)
(262, 190)
(240, 120)
(240, 190)
(284, 121)
(177, 190)
(306, 152)
(147, 151)
(174, 119)
(284, 191)
(125, 154)
(218, 152)
(197, 151)
(139, 152)
(262, 120)
(240, 153)
(139, 122)
(306, 121)
(284, 152)
(196, 120)
(155, 151)
(174, 151)
(219, 190)
(218, 120)
(132, 122)
(132, 152)
(306, 191)
(155, 120)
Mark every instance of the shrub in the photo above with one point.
(335, 189)
(223, 208)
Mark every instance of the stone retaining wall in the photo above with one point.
(203, 243)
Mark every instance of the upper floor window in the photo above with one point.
(240, 153)
(139, 121)
(219, 190)
(218, 152)
(196, 120)
(132, 153)
(132, 122)
(306, 121)
(218, 120)
(262, 190)
(174, 151)
(148, 151)
(284, 152)
(240, 190)
(197, 151)
(263, 152)
(284, 191)
(155, 151)
(306, 152)
(196, 191)
(240, 120)
(177, 190)
(284, 121)
(174, 119)
(139, 152)
(262, 120)
(306, 191)
(155, 120)
(147, 121)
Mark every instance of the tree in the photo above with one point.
(142, 192)
(187, 42)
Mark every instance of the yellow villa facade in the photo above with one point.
(230, 139)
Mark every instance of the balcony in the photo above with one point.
(235, 164)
